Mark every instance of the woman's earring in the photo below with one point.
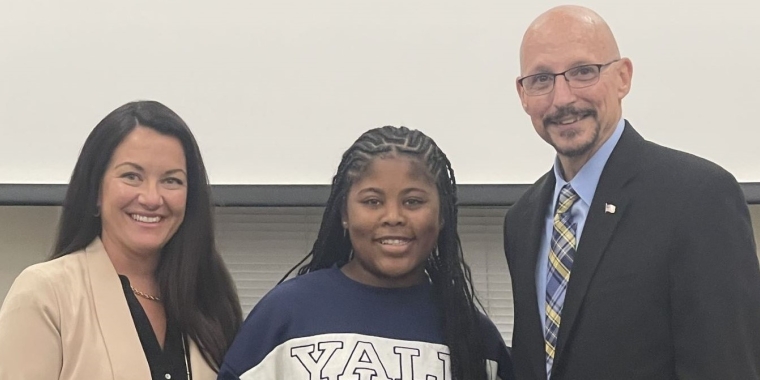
(97, 213)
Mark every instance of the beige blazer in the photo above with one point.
(68, 319)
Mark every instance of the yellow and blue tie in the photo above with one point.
(561, 254)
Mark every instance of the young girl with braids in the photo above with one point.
(387, 294)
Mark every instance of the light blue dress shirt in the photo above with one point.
(584, 183)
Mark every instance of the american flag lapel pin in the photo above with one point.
(609, 208)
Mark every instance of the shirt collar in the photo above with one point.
(584, 183)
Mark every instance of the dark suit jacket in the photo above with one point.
(666, 287)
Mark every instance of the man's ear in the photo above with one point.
(625, 74)
(521, 94)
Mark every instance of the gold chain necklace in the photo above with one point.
(184, 345)
(145, 295)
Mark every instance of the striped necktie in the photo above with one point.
(561, 254)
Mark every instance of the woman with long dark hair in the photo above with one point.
(387, 293)
(135, 288)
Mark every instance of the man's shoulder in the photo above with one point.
(530, 200)
(669, 164)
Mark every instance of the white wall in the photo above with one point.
(275, 90)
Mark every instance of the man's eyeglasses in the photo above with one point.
(577, 77)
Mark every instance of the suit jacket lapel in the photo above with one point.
(538, 206)
(116, 325)
(600, 225)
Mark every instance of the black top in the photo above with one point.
(166, 364)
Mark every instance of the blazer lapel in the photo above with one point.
(600, 225)
(116, 325)
(538, 205)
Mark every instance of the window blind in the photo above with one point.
(260, 244)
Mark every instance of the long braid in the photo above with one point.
(452, 281)
(448, 272)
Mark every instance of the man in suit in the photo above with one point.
(629, 260)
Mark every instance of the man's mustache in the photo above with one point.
(565, 112)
